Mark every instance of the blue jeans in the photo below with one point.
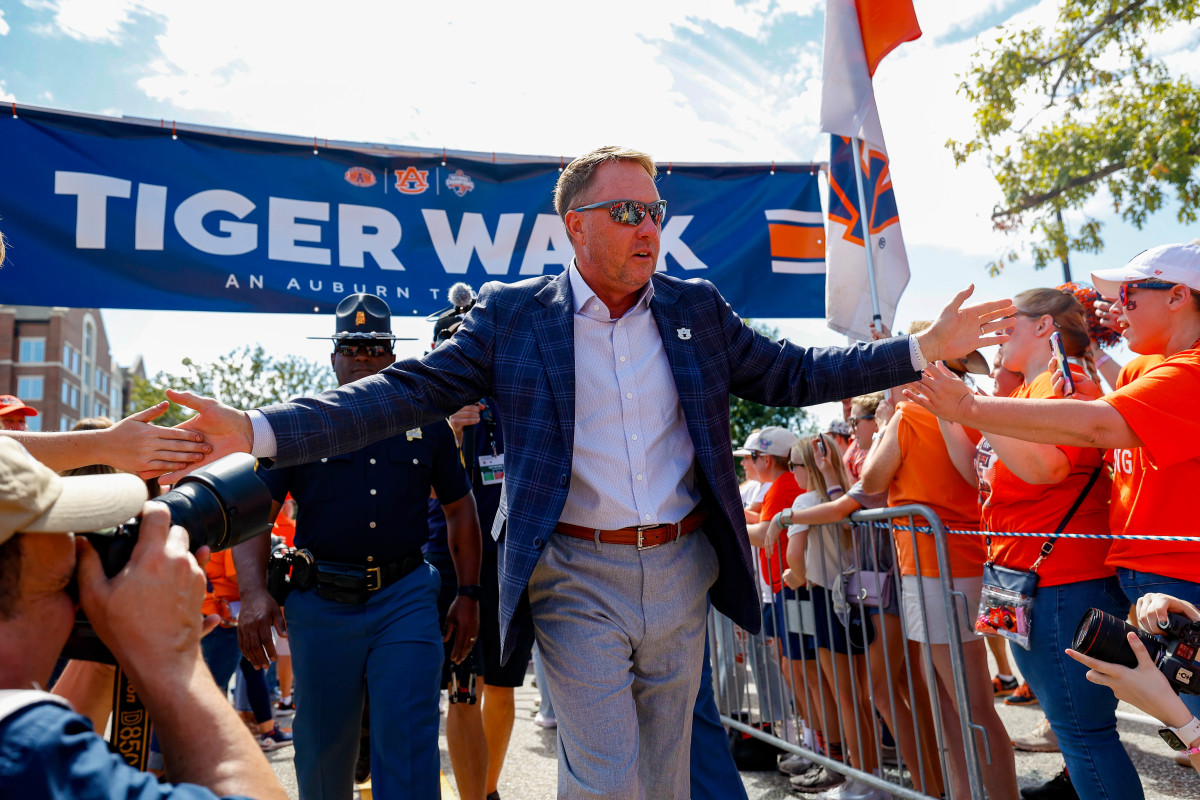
(1082, 714)
(1135, 584)
(714, 774)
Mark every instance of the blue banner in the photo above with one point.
(123, 214)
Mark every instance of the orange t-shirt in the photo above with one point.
(222, 582)
(928, 477)
(1151, 482)
(780, 496)
(1010, 504)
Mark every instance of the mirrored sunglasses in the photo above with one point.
(373, 350)
(631, 212)
(1125, 287)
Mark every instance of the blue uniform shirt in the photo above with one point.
(370, 505)
(489, 441)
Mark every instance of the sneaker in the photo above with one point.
(817, 779)
(544, 721)
(1003, 687)
(1040, 739)
(794, 764)
(1057, 788)
(1023, 696)
(290, 705)
(274, 740)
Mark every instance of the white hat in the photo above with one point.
(750, 446)
(1169, 263)
(35, 500)
(775, 441)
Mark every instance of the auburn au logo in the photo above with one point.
(412, 180)
(360, 176)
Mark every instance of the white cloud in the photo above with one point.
(4, 28)
(4, 95)
(89, 20)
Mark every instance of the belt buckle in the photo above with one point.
(373, 572)
(641, 529)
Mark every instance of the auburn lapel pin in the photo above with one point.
(684, 333)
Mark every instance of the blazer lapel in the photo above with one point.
(555, 330)
(675, 328)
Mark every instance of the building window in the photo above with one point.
(64, 423)
(33, 350)
(85, 410)
(29, 387)
(89, 339)
(74, 361)
(101, 410)
(33, 424)
(74, 401)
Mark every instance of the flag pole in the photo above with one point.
(865, 218)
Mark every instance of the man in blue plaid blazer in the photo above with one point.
(614, 384)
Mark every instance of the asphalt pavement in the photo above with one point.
(530, 771)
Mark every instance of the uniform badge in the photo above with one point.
(684, 333)
(415, 433)
(360, 318)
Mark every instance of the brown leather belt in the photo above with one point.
(642, 537)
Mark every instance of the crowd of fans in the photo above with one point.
(987, 470)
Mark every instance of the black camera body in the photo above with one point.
(219, 505)
(1173, 651)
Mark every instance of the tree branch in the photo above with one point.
(1033, 200)
(1088, 35)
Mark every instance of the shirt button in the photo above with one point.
(647, 519)
(629, 395)
(563, 480)
(595, 307)
(372, 461)
(372, 525)
(372, 491)
(639, 476)
(622, 358)
(635, 437)
(323, 460)
(537, 542)
(415, 461)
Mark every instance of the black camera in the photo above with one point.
(219, 505)
(1173, 651)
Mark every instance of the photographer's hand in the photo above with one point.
(149, 616)
(1153, 608)
(1144, 687)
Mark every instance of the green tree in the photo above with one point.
(746, 415)
(1064, 112)
(244, 378)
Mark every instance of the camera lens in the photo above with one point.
(222, 504)
(1103, 636)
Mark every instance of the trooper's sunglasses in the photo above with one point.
(631, 212)
(374, 350)
(1123, 294)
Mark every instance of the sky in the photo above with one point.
(706, 80)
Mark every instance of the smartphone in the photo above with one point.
(820, 445)
(1064, 367)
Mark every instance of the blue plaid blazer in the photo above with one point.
(517, 346)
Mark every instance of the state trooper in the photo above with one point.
(369, 622)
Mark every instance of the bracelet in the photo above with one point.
(1103, 359)
(779, 518)
(1193, 751)
(835, 488)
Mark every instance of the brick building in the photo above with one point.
(57, 361)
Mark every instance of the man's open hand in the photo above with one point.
(958, 331)
(225, 429)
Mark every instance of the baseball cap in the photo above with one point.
(751, 445)
(33, 499)
(13, 405)
(775, 441)
(1170, 263)
(839, 427)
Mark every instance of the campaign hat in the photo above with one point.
(362, 316)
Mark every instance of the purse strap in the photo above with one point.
(1048, 545)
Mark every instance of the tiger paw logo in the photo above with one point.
(412, 180)
(459, 183)
(360, 176)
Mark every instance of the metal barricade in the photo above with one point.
(772, 686)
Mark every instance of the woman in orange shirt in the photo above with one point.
(1027, 487)
(912, 465)
(1149, 423)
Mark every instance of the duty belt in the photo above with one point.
(354, 583)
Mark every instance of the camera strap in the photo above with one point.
(130, 723)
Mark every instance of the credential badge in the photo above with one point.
(684, 333)
(415, 433)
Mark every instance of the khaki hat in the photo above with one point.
(33, 499)
(15, 406)
(775, 441)
(1169, 263)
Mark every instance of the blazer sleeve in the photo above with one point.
(785, 374)
(406, 395)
